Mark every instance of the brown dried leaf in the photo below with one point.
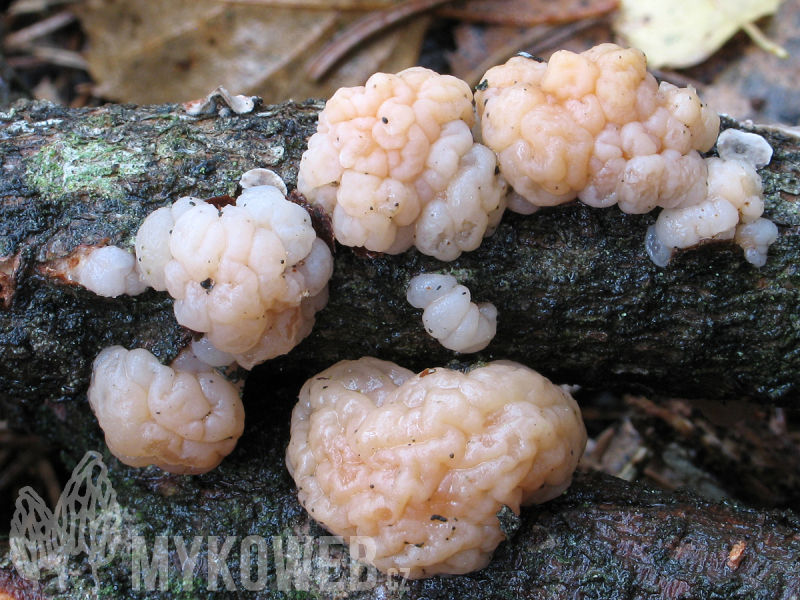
(526, 12)
(480, 47)
(158, 51)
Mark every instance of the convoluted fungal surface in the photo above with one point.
(598, 127)
(183, 421)
(731, 210)
(250, 275)
(422, 463)
(449, 315)
(395, 164)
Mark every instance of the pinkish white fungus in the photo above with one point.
(449, 315)
(597, 127)
(395, 164)
(421, 464)
(107, 271)
(250, 275)
(183, 420)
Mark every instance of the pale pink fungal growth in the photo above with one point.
(596, 126)
(422, 463)
(449, 315)
(182, 421)
(395, 164)
(250, 275)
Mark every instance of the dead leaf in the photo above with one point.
(677, 33)
(526, 12)
(746, 83)
(155, 51)
(479, 47)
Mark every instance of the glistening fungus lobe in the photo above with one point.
(430, 506)
(396, 166)
(107, 271)
(450, 316)
(182, 420)
(250, 275)
(596, 126)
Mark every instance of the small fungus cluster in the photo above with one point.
(395, 164)
(108, 271)
(249, 275)
(183, 419)
(450, 316)
(422, 463)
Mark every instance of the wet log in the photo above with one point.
(578, 298)
(604, 538)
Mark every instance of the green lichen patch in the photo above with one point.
(75, 165)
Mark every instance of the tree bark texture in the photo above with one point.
(604, 538)
(578, 298)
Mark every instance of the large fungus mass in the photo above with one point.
(422, 463)
(395, 164)
(596, 126)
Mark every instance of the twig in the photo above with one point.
(24, 37)
(317, 4)
(348, 39)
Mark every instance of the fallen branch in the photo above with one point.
(578, 300)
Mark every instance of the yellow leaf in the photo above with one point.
(682, 33)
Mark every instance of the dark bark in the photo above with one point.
(605, 538)
(578, 300)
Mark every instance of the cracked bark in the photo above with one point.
(578, 298)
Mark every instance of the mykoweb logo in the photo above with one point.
(88, 519)
(302, 563)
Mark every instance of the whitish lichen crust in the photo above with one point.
(422, 463)
(180, 421)
(395, 164)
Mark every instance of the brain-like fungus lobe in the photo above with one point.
(449, 315)
(395, 164)
(596, 126)
(422, 463)
(249, 275)
(182, 419)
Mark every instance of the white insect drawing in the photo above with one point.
(87, 519)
